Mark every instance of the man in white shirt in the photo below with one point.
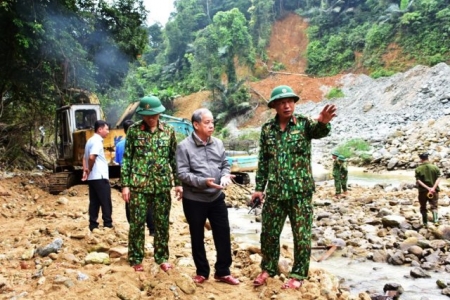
(96, 172)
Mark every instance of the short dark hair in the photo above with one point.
(126, 124)
(100, 124)
(424, 155)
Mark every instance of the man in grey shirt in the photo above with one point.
(95, 171)
(204, 171)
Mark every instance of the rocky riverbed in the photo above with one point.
(399, 116)
(47, 251)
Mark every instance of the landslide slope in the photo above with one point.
(287, 46)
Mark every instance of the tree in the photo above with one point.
(180, 31)
(261, 23)
(155, 44)
(217, 49)
(49, 46)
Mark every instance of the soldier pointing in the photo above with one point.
(284, 173)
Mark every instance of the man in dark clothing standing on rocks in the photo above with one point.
(427, 178)
(95, 171)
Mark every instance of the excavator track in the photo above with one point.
(61, 181)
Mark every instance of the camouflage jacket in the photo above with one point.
(149, 163)
(339, 169)
(285, 156)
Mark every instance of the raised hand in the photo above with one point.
(327, 113)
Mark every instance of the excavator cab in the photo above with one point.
(73, 121)
(85, 118)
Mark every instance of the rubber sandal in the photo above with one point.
(227, 279)
(261, 279)
(199, 279)
(166, 267)
(138, 268)
(292, 283)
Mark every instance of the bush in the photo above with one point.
(335, 93)
(224, 133)
(358, 144)
(381, 73)
(278, 66)
(355, 147)
(366, 158)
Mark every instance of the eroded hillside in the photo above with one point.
(287, 46)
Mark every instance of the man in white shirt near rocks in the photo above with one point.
(95, 171)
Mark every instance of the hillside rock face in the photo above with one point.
(399, 116)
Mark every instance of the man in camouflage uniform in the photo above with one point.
(285, 166)
(428, 177)
(148, 168)
(340, 174)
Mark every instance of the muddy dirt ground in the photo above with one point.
(32, 219)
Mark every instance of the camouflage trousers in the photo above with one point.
(274, 214)
(340, 183)
(160, 206)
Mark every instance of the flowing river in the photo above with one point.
(360, 276)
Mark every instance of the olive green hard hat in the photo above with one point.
(149, 106)
(280, 92)
(335, 153)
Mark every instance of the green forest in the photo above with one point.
(50, 47)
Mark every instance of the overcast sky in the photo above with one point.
(159, 10)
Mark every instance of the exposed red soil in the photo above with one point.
(288, 45)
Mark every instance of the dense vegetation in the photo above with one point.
(50, 46)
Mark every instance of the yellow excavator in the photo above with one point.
(74, 125)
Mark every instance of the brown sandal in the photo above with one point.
(292, 283)
(138, 268)
(261, 279)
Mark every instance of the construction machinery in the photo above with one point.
(74, 125)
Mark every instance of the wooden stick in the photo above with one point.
(328, 253)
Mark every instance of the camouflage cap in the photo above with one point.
(280, 92)
(149, 106)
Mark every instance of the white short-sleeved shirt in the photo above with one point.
(94, 146)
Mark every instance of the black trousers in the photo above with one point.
(149, 218)
(100, 197)
(216, 212)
